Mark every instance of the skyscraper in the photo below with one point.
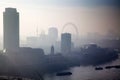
(52, 35)
(66, 43)
(11, 29)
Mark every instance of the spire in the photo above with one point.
(37, 34)
(52, 50)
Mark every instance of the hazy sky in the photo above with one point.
(101, 16)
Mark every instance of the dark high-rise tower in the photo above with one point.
(66, 43)
(11, 29)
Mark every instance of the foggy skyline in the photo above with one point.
(95, 16)
(59, 39)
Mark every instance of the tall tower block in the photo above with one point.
(66, 43)
(11, 29)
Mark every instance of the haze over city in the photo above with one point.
(60, 40)
(44, 14)
(39, 15)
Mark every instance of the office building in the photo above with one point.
(11, 29)
(66, 43)
(52, 35)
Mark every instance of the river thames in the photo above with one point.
(89, 73)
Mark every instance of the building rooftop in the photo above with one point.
(9, 9)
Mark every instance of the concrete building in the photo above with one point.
(66, 43)
(11, 29)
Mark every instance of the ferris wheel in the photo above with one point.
(71, 25)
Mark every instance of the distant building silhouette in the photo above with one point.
(52, 50)
(66, 43)
(52, 35)
(31, 51)
(31, 41)
(11, 29)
